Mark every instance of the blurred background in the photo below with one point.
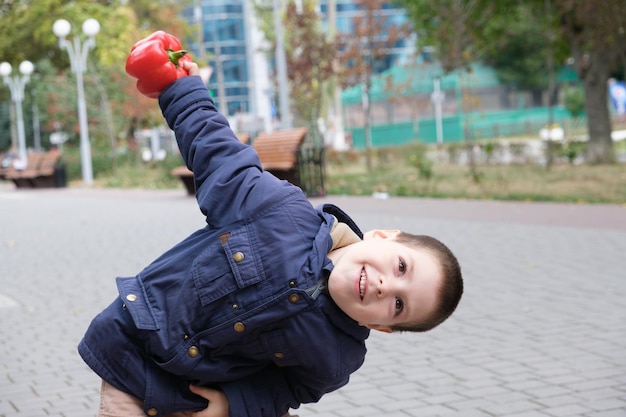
(436, 88)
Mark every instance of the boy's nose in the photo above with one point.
(381, 286)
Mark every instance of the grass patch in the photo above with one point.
(524, 182)
(401, 171)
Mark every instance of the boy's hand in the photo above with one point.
(190, 67)
(218, 402)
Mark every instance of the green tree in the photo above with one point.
(594, 34)
(454, 27)
(113, 104)
(309, 56)
(26, 30)
(309, 61)
(361, 52)
(522, 48)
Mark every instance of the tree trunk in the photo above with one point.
(595, 76)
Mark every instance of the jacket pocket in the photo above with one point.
(221, 270)
(276, 344)
(135, 300)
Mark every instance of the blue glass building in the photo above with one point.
(393, 15)
(228, 39)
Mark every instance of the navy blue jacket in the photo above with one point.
(236, 305)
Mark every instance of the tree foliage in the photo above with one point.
(518, 50)
(362, 51)
(309, 55)
(312, 56)
(112, 101)
(309, 60)
(370, 41)
(596, 33)
(516, 36)
(453, 27)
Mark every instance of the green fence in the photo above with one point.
(385, 135)
(478, 125)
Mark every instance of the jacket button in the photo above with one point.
(279, 355)
(193, 351)
(131, 297)
(239, 327)
(292, 283)
(152, 412)
(238, 257)
(294, 298)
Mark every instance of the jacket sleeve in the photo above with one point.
(273, 391)
(229, 179)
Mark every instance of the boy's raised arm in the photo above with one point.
(228, 176)
(229, 179)
(204, 137)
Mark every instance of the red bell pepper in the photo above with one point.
(155, 62)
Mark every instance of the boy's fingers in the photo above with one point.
(218, 403)
(201, 391)
(191, 67)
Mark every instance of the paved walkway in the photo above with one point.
(541, 330)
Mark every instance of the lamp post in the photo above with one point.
(438, 97)
(281, 70)
(16, 85)
(78, 59)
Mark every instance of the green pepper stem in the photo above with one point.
(174, 56)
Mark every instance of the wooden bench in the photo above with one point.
(186, 176)
(39, 172)
(278, 152)
(21, 177)
(4, 169)
(45, 174)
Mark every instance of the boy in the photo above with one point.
(269, 305)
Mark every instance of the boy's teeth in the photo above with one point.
(362, 284)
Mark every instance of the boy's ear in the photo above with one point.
(380, 328)
(381, 234)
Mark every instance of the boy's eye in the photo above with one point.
(399, 306)
(401, 266)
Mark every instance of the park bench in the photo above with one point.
(281, 153)
(21, 177)
(186, 176)
(3, 169)
(278, 152)
(40, 171)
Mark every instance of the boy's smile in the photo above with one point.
(380, 283)
(362, 282)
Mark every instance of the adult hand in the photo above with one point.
(218, 402)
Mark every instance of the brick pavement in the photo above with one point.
(541, 330)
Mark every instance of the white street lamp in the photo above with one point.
(438, 97)
(281, 69)
(78, 59)
(16, 85)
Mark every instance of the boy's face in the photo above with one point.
(379, 282)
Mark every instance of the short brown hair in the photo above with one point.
(452, 280)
